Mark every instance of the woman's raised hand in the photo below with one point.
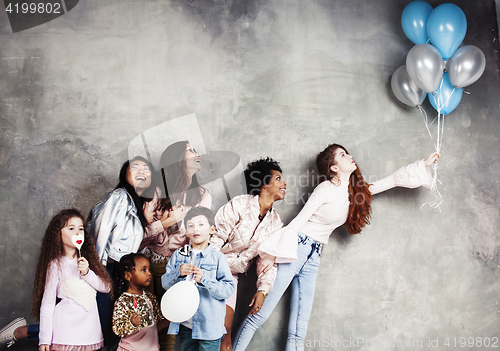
(433, 158)
(149, 212)
(169, 218)
(44, 348)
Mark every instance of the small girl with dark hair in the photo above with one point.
(73, 323)
(136, 316)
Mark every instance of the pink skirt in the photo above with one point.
(57, 347)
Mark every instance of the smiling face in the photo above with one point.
(276, 187)
(73, 227)
(198, 231)
(344, 163)
(139, 175)
(193, 160)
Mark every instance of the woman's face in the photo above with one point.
(276, 187)
(193, 160)
(344, 163)
(139, 175)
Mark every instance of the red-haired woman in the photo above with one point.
(344, 198)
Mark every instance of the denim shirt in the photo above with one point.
(216, 286)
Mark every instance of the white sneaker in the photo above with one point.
(7, 333)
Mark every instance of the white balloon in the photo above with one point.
(180, 302)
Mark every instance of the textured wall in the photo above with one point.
(265, 78)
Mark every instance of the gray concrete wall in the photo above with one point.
(265, 78)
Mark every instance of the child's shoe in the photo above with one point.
(7, 333)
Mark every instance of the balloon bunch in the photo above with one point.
(436, 67)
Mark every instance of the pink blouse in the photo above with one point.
(327, 209)
(74, 320)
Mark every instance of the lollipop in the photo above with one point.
(77, 240)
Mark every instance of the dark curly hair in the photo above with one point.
(52, 250)
(200, 211)
(360, 197)
(127, 264)
(258, 174)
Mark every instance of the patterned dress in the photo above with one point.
(143, 337)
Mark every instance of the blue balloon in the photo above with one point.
(445, 99)
(446, 27)
(414, 21)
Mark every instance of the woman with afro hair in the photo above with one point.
(243, 224)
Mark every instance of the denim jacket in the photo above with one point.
(115, 226)
(216, 286)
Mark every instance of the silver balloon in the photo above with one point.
(466, 66)
(405, 89)
(425, 66)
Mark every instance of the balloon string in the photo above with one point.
(424, 117)
(438, 199)
(190, 278)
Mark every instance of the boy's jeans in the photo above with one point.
(190, 344)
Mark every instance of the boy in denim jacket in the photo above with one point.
(212, 277)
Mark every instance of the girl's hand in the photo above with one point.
(265, 264)
(83, 266)
(433, 158)
(187, 269)
(198, 274)
(257, 302)
(136, 319)
(169, 218)
(44, 348)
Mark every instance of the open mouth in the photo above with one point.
(140, 178)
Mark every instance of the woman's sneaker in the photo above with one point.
(7, 333)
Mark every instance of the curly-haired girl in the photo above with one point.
(63, 274)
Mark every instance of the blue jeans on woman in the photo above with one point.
(302, 275)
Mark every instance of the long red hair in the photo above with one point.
(53, 249)
(360, 197)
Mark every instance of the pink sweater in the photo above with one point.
(74, 320)
(327, 209)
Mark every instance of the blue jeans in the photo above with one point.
(190, 344)
(302, 275)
